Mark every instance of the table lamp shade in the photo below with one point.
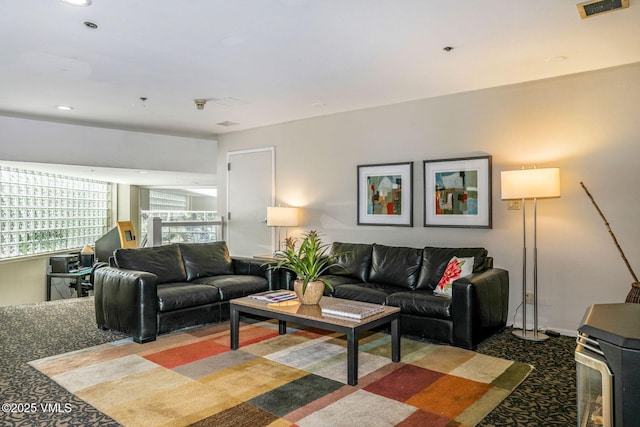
(530, 183)
(279, 216)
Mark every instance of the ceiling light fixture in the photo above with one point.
(64, 107)
(200, 103)
(447, 48)
(81, 3)
(90, 24)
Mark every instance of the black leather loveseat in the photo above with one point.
(150, 291)
(406, 277)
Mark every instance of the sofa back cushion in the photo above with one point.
(163, 261)
(435, 260)
(394, 265)
(353, 259)
(206, 259)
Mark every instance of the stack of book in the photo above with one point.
(352, 310)
(275, 296)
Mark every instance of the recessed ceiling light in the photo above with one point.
(91, 25)
(78, 2)
(64, 107)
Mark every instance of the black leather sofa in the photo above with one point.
(150, 291)
(406, 277)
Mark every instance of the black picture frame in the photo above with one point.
(458, 192)
(385, 194)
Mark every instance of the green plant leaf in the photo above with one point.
(309, 261)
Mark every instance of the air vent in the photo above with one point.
(592, 8)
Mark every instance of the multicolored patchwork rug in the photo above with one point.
(298, 379)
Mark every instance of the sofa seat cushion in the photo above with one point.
(376, 293)
(235, 285)
(421, 303)
(163, 261)
(176, 296)
(336, 280)
(206, 259)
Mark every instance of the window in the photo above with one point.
(188, 225)
(42, 212)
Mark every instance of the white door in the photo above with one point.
(250, 189)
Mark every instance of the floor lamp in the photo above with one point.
(530, 184)
(282, 216)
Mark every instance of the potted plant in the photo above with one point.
(308, 261)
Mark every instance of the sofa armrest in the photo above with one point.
(127, 301)
(479, 306)
(256, 267)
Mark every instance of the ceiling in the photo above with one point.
(260, 62)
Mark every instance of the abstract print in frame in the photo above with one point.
(457, 192)
(385, 194)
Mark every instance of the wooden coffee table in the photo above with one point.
(311, 315)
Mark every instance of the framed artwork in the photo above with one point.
(457, 192)
(385, 194)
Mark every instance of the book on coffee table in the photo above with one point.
(274, 296)
(352, 310)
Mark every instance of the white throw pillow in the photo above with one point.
(457, 268)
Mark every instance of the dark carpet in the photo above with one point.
(28, 332)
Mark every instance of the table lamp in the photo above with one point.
(282, 216)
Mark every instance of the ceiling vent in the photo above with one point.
(597, 7)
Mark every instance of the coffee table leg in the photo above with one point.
(352, 358)
(282, 327)
(395, 340)
(235, 328)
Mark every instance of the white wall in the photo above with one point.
(23, 281)
(585, 124)
(48, 142)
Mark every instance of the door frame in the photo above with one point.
(272, 150)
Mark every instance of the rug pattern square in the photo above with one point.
(298, 379)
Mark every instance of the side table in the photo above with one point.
(78, 275)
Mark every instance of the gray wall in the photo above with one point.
(585, 124)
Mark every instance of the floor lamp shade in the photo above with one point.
(530, 183)
(279, 216)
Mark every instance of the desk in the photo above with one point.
(78, 275)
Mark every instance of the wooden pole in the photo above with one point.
(613, 236)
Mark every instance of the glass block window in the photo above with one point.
(42, 212)
(165, 201)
